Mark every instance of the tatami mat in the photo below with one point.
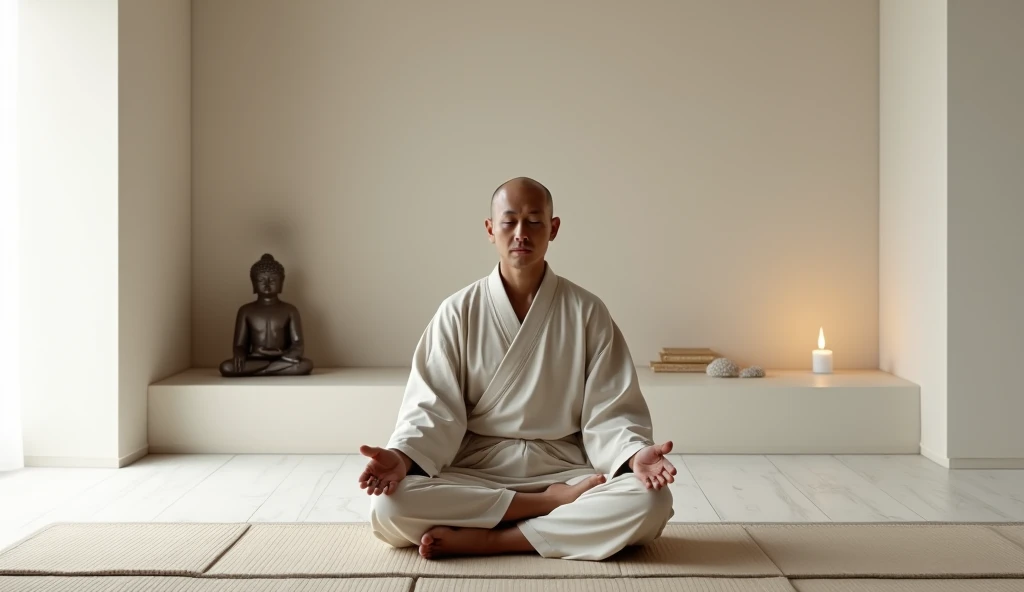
(128, 548)
(1014, 533)
(919, 585)
(182, 584)
(280, 549)
(888, 550)
(694, 584)
(351, 549)
(698, 550)
(339, 557)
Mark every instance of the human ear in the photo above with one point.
(555, 223)
(490, 229)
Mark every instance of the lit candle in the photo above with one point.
(821, 358)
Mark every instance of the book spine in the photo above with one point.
(670, 367)
(690, 351)
(687, 358)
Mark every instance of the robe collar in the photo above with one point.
(503, 306)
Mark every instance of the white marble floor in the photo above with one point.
(323, 488)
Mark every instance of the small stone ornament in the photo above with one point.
(723, 368)
(752, 372)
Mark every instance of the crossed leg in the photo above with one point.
(585, 518)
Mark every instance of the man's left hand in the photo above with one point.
(652, 468)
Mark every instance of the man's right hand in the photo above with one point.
(385, 470)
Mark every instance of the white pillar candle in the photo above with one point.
(821, 358)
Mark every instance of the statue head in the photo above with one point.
(267, 276)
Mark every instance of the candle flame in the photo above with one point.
(821, 338)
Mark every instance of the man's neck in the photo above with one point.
(522, 284)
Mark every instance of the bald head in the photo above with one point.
(523, 186)
(522, 222)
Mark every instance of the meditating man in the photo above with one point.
(522, 428)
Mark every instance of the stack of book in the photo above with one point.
(683, 359)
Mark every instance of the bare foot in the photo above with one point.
(566, 494)
(441, 541)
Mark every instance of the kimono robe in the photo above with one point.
(494, 406)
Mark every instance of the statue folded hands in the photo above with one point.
(268, 337)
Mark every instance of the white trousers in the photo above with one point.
(601, 522)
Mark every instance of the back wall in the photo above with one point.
(714, 163)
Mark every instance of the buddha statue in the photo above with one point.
(268, 331)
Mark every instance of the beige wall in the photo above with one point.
(154, 205)
(912, 205)
(986, 238)
(68, 172)
(715, 165)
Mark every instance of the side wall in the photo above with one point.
(154, 205)
(68, 173)
(913, 206)
(986, 229)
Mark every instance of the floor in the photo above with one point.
(323, 488)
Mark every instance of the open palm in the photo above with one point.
(384, 471)
(652, 468)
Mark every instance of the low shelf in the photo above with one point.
(334, 410)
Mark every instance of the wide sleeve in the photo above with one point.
(432, 418)
(616, 422)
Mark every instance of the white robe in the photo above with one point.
(493, 407)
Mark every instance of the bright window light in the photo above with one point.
(11, 450)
